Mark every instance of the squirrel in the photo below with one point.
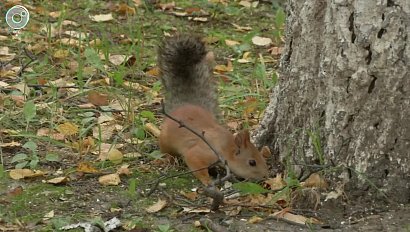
(186, 71)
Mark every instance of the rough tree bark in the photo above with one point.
(345, 87)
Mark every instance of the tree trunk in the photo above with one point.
(344, 92)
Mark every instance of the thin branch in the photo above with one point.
(23, 67)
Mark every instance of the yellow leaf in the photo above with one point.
(261, 41)
(67, 128)
(255, 219)
(86, 168)
(115, 156)
(60, 54)
(231, 43)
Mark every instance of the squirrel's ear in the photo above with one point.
(265, 151)
(242, 139)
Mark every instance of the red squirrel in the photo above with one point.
(186, 69)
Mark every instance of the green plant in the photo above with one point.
(165, 228)
(30, 158)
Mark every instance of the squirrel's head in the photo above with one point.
(248, 162)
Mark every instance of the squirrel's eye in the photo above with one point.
(252, 163)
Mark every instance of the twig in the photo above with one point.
(23, 67)
(57, 87)
(162, 178)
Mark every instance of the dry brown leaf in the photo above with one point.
(101, 17)
(15, 191)
(150, 127)
(50, 133)
(48, 215)
(98, 99)
(58, 180)
(261, 41)
(191, 195)
(77, 35)
(117, 59)
(17, 174)
(110, 179)
(157, 206)
(315, 180)
(276, 183)
(104, 131)
(67, 128)
(86, 168)
(124, 170)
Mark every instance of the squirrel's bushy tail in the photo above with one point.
(186, 73)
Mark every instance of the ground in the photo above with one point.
(72, 86)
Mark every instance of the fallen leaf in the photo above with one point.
(55, 14)
(261, 41)
(199, 19)
(276, 183)
(10, 144)
(255, 219)
(77, 35)
(101, 17)
(124, 170)
(110, 179)
(150, 127)
(157, 206)
(69, 23)
(86, 168)
(58, 180)
(315, 180)
(117, 59)
(98, 99)
(298, 219)
(67, 128)
(231, 43)
(191, 195)
(15, 191)
(167, 6)
(49, 215)
(246, 4)
(115, 156)
(17, 174)
(61, 54)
